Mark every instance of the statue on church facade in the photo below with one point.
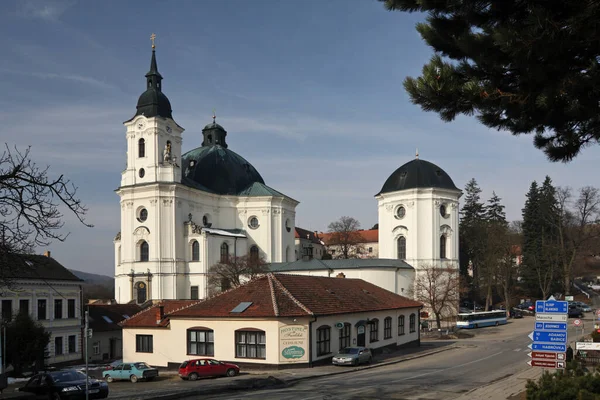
(167, 153)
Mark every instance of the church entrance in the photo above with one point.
(360, 335)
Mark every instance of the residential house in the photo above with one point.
(274, 320)
(51, 295)
(106, 342)
(308, 245)
(367, 247)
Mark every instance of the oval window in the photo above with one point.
(401, 212)
(142, 172)
(443, 211)
(143, 215)
(253, 222)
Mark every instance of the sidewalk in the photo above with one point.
(505, 388)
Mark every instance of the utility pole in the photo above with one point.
(85, 352)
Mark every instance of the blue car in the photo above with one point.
(130, 372)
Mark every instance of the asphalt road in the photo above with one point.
(495, 353)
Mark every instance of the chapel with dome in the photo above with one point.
(183, 213)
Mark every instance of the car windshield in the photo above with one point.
(142, 365)
(67, 376)
(184, 364)
(349, 350)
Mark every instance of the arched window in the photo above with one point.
(373, 330)
(412, 323)
(442, 247)
(387, 327)
(345, 334)
(141, 292)
(401, 325)
(141, 148)
(254, 252)
(224, 252)
(195, 251)
(402, 248)
(323, 340)
(144, 251)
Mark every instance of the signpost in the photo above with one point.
(577, 322)
(587, 346)
(550, 334)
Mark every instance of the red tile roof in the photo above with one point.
(369, 236)
(282, 295)
(148, 317)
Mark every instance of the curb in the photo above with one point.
(271, 381)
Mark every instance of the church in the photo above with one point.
(183, 213)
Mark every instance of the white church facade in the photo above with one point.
(183, 213)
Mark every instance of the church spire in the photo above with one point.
(153, 77)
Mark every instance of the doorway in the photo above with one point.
(360, 335)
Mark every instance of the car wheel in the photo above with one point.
(497, 323)
(231, 372)
(193, 376)
(108, 378)
(133, 378)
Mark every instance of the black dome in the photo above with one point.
(218, 170)
(418, 174)
(154, 103)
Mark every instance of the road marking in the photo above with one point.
(517, 350)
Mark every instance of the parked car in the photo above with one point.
(575, 312)
(516, 313)
(584, 307)
(130, 371)
(527, 306)
(200, 367)
(352, 356)
(66, 384)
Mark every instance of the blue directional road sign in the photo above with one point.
(557, 348)
(548, 336)
(557, 326)
(552, 306)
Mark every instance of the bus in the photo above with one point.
(480, 318)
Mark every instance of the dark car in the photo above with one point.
(65, 385)
(575, 312)
(201, 367)
(516, 313)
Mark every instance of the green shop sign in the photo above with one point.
(293, 352)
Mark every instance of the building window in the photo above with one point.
(370, 249)
(144, 251)
(400, 212)
(443, 211)
(58, 346)
(442, 247)
(412, 323)
(96, 348)
(345, 336)
(142, 172)
(224, 252)
(288, 225)
(141, 148)
(195, 251)
(374, 330)
(253, 222)
(250, 344)
(143, 343)
(201, 342)
(402, 248)
(254, 252)
(57, 309)
(401, 325)
(6, 310)
(194, 292)
(72, 344)
(387, 328)
(323, 340)
(41, 309)
(143, 215)
(71, 308)
(141, 291)
(24, 307)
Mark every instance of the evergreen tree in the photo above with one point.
(531, 243)
(522, 66)
(494, 211)
(494, 245)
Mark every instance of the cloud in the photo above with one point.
(70, 77)
(46, 10)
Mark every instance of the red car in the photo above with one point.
(200, 367)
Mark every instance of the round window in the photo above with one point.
(253, 222)
(443, 211)
(142, 172)
(143, 216)
(401, 212)
(205, 220)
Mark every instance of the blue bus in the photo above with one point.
(481, 318)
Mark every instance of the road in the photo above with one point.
(495, 353)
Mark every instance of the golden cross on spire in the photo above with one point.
(214, 116)
(417, 155)
(152, 38)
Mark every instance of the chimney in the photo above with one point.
(47, 253)
(340, 275)
(160, 314)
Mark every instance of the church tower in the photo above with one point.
(418, 216)
(143, 257)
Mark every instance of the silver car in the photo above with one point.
(352, 356)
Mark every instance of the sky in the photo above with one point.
(309, 91)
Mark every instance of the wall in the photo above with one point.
(103, 340)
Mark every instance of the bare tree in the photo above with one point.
(234, 272)
(344, 234)
(30, 207)
(438, 288)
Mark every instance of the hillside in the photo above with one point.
(95, 279)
